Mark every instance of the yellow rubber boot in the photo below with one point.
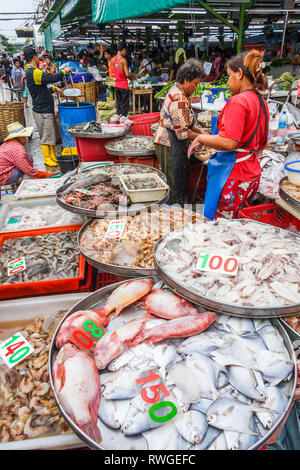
(52, 155)
(47, 156)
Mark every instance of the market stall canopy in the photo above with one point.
(105, 11)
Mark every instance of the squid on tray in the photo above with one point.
(167, 316)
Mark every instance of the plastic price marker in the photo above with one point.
(14, 350)
(115, 229)
(16, 266)
(218, 263)
(14, 219)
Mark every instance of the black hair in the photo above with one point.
(108, 51)
(190, 70)
(121, 46)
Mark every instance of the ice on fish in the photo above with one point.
(274, 366)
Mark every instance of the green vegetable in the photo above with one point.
(162, 93)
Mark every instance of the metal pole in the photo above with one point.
(180, 34)
(284, 31)
(241, 28)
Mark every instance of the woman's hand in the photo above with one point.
(196, 143)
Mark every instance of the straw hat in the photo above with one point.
(17, 130)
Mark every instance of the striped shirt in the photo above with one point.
(176, 114)
(13, 154)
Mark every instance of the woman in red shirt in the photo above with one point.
(234, 171)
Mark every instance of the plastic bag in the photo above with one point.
(95, 72)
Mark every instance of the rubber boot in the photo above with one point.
(47, 156)
(52, 155)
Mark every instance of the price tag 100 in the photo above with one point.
(15, 349)
(115, 229)
(16, 266)
(218, 263)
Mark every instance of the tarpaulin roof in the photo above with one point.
(105, 11)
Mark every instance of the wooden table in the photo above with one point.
(137, 92)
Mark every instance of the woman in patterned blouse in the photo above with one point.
(176, 129)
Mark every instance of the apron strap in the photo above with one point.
(262, 106)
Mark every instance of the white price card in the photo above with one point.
(207, 67)
(218, 263)
(115, 229)
(16, 266)
(15, 349)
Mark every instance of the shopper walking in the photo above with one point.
(122, 73)
(234, 171)
(43, 103)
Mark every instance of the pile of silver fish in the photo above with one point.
(229, 379)
(132, 143)
(230, 385)
(49, 256)
(268, 273)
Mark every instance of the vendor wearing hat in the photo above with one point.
(14, 161)
(43, 103)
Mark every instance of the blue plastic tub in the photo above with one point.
(70, 114)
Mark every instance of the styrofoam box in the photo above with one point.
(144, 195)
(28, 309)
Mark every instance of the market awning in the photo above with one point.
(105, 11)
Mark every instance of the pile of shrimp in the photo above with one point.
(27, 406)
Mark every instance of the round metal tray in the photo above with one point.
(286, 197)
(131, 210)
(75, 132)
(125, 271)
(112, 439)
(231, 309)
(128, 153)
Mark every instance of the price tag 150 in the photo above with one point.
(16, 266)
(218, 263)
(15, 349)
(115, 229)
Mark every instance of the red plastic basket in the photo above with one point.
(149, 160)
(93, 149)
(83, 282)
(142, 123)
(105, 279)
(271, 214)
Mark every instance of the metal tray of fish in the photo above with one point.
(134, 209)
(14, 314)
(129, 152)
(282, 385)
(125, 271)
(74, 131)
(218, 306)
(287, 197)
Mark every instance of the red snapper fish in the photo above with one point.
(165, 304)
(125, 295)
(113, 344)
(77, 385)
(177, 328)
(75, 322)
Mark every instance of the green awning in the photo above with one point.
(48, 46)
(105, 11)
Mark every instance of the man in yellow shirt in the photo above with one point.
(43, 103)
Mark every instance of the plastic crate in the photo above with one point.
(142, 123)
(83, 282)
(105, 279)
(271, 214)
(149, 160)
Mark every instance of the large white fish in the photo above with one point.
(192, 426)
(276, 401)
(77, 385)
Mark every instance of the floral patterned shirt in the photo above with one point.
(176, 114)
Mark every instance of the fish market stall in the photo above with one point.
(99, 192)
(91, 137)
(129, 252)
(213, 376)
(135, 149)
(29, 416)
(241, 267)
